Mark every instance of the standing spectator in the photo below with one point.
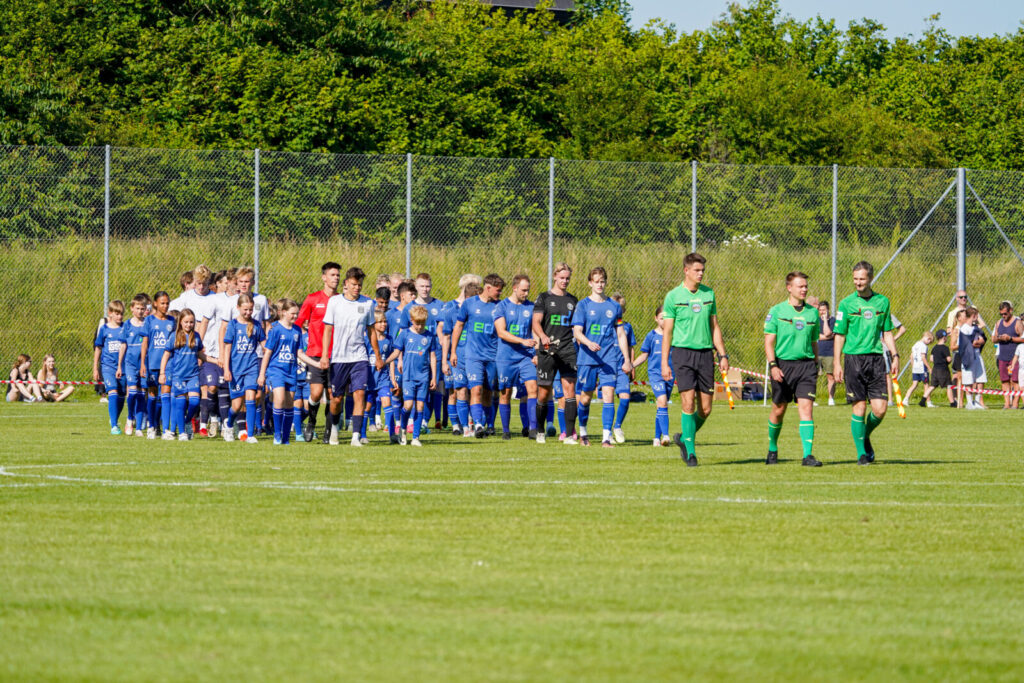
(941, 357)
(826, 323)
(919, 369)
(1009, 334)
(961, 305)
(971, 342)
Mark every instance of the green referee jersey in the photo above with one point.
(691, 313)
(795, 331)
(862, 322)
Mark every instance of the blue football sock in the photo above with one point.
(278, 423)
(531, 413)
(112, 410)
(524, 419)
(286, 425)
(477, 411)
(462, 410)
(179, 404)
(388, 420)
(230, 421)
(607, 415)
(584, 414)
(561, 420)
(193, 406)
(620, 415)
(662, 419)
(492, 414)
(152, 410)
(250, 417)
(506, 417)
(296, 420)
(165, 411)
(417, 421)
(551, 413)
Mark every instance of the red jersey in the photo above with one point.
(311, 316)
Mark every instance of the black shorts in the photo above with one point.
(940, 378)
(865, 377)
(956, 362)
(560, 359)
(694, 369)
(314, 375)
(799, 380)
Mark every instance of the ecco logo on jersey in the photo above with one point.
(483, 328)
(559, 320)
(596, 330)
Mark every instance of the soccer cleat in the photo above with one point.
(393, 438)
(243, 435)
(526, 431)
(677, 439)
(506, 436)
(607, 444)
(140, 433)
(491, 431)
(551, 431)
(831, 401)
(228, 435)
(929, 404)
(531, 433)
(129, 427)
(811, 461)
(561, 437)
(363, 440)
(540, 438)
(371, 428)
(277, 441)
(167, 436)
(620, 437)
(356, 441)
(415, 442)
(584, 440)
(214, 427)
(656, 443)
(666, 440)
(863, 460)
(569, 441)
(203, 431)
(115, 431)
(772, 459)
(328, 429)
(401, 438)
(184, 436)
(479, 432)
(307, 432)
(692, 461)
(456, 430)
(467, 433)
(252, 439)
(332, 438)
(298, 436)
(868, 450)
(922, 403)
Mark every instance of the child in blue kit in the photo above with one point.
(130, 365)
(243, 338)
(597, 328)
(417, 353)
(281, 366)
(180, 368)
(651, 349)
(384, 379)
(108, 350)
(622, 379)
(157, 336)
(301, 387)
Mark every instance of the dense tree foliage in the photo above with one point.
(360, 76)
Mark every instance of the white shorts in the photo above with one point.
(975, 373)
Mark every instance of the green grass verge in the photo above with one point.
(127, 559)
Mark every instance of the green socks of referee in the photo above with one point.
(870, 423)
(806, 436)
(688, 427)
(861, 428)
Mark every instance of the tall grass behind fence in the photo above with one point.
(170, 210)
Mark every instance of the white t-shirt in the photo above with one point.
(918, 352)
(217, 311)
(1019, 355)
(350, 320)
(260, 308)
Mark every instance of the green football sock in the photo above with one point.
(688, 426)
(773, 436)
(699, 420)
(857, 429)
(807, 436)
(871, 422)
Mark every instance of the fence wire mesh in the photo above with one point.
(287, 213)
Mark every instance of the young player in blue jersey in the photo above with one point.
(623, 379)
(433, 306)
(416, 352)
(108, 344)
(157, 335)
(301, 387)
(455, 375)
(650, 352)
(243, 337)
(281, 365)
(130, 366)
(406, 292)
(179, 368)
(383, 379)
(513, 323)
(597, 328)
(476, 316)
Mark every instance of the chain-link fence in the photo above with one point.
(78, 225)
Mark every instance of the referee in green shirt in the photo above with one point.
(691, 322)
(863, 325)
(791, 346)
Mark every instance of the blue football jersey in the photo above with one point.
(283, 346)
(434, 311)
(244, 347)
(302, 374)
(109, 340)
(183, 364)
(133, 343)
(449, 315)
(519, 323)
(415, 350)
(600, 322)
(477, 317)
(161, 335)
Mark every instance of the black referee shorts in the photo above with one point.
(694, 369)
(315, 375)
(799, 380)
(557, 359)
(865, 377)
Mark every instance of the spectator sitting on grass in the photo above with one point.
(48, 387)
(20, 387)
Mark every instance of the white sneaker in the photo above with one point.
(167, 436)
(665, 440)
(467, 433)
(183, 436)
(376, 421)
(570, 441)
(333, 440)
(32, 398)
(228, 435)
(214, 427)
(252, 439)
(416, 442)
(540, 437)
(356, 441)
(619, 436)
(150, 433)
(401, 438)
(929, 405)
(815, 404)
(363, 440)
(371, 427)
(606, 435)
(139, 432)
(657, 443)
(831, 401)
(129, 427)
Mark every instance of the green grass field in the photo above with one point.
(127, 559)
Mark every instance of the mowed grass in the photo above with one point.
(127, 559)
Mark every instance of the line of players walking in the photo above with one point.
(223, 353)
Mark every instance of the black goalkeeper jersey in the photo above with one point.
(557, 316)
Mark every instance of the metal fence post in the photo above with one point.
(106, 227)
(256, 222)
(835, 230)
(961, 228)
(408, 215)
(693, 205)
(551, 221)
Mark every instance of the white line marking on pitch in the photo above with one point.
(495, 494)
